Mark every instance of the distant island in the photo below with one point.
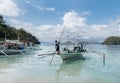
(113, 40)
(12, 33)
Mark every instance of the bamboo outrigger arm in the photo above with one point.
(3, 53)
(21, 52)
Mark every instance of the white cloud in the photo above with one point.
(44, 32)
(75, 26)
(72, 19)
(41, 8)
(9, 8)
(50, 9)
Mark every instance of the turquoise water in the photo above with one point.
(31, 68)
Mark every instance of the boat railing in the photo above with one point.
(67, 51)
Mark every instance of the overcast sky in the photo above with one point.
(83, 19)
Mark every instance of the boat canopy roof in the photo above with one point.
(13, 41)
(68, 43)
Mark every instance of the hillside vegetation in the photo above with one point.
(12, 33)
(113, 40)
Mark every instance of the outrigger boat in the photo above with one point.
(70, 50)
(12, 47)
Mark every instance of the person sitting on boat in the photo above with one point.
(66, 49)
(77, 49)
(74, 50)
(57, 47)
(9, 46)
(21, 47)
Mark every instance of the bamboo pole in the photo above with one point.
(59, 42)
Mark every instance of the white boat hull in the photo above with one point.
(66, 56)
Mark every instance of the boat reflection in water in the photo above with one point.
(69, 69)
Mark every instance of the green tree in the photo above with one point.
(113, 40)
(12, 33)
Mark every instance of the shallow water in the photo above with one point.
(31, 68)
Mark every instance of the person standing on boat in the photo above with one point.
(57, 47)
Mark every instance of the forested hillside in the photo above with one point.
(113, 40)
(12, 32)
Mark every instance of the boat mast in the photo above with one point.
(62, 34)
(5, 40)
(18, 37)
